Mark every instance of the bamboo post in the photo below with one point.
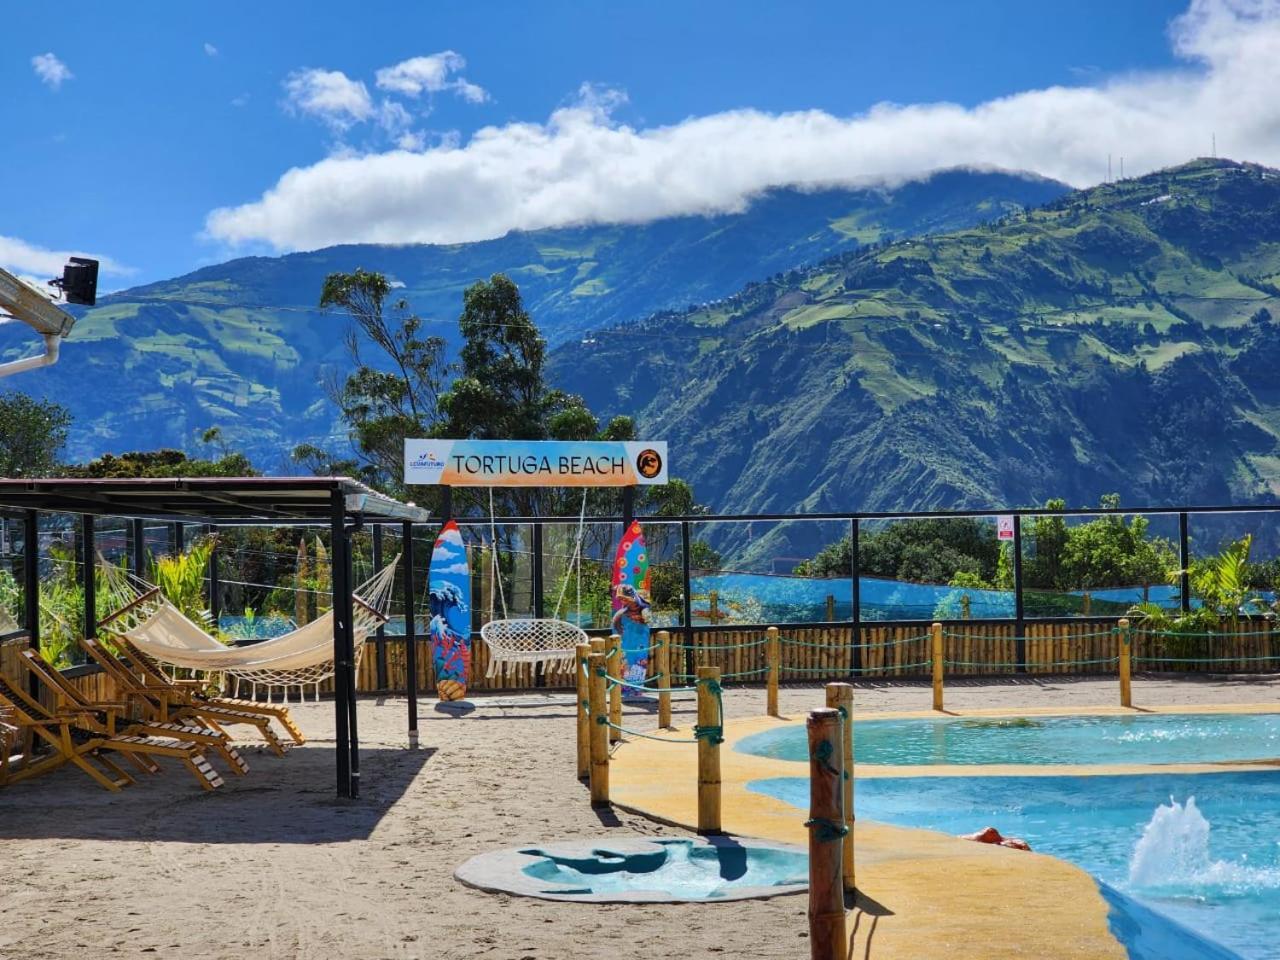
(713, 607)
(1126, 651)
(966, 607)
(827, 940)
(1086, 602)
(664, 678)
(840, 697)
(613, 663)
(771, 652)
(581, 657)
(709, 719)
(831, 608)
(599, 732)
(936, 633)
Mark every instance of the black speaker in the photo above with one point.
(80, 281)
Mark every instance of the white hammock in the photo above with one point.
(157, 629)
(546, 641)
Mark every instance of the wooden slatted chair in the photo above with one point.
(139, 671)
(69, 743)
(110, 717)
(174, 703)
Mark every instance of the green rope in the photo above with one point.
(822, 753)
(636, 733)
(1218, 636)
(893, 643)
(864, 669)
(720, 646)
(1203, 659)
(713, 733)
(618, 682)
(994, 637)
(744, 673)
(828, 830)
(1028, 663)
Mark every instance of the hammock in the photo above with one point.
(152, 625)
(546, 641)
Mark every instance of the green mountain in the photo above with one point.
(1117, 339)
(240, 344)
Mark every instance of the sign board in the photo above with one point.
(1004, 527)
(535, 463)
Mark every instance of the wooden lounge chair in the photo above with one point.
(69, 743)
(140, 671)
(171, 701)
(109, 718)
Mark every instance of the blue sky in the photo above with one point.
(148, 117)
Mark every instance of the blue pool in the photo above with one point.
(1202, 849)
(1138, 738)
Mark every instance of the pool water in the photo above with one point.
(1201, 849)
(679, 868)
(1138, 738)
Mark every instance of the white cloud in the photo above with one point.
(583, 166)
(431, 74)
(329, 95)
(210, 50)
(21, 257)
(51, 71)
(240, 101)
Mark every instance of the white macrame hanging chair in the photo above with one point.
(548, 641)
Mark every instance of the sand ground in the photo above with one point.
(273, 866)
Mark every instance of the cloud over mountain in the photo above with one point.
(582, 165)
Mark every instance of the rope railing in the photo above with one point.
(995, 637)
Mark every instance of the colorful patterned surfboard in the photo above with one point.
(630, 591)
(449, 589)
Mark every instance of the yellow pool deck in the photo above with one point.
(921, 894)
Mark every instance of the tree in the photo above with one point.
(381, 407)
(32, 434)
(162, 463)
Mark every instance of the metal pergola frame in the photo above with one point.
(343, 504)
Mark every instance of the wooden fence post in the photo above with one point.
(1086, 602)
(599, 732)
(831, 608)
(827, 940)
(664, 678)
(613, 663)
(709, 719)
(840, 697)
(1126, 665)
(582, 653)
(936, 632)
(771, 655)
(966, 607)
(713, 607)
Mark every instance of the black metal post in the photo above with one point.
(1021, 647)
(446, 504)
(855, 572)
(138, 551)
(31, 587)
(90, 554)
(539, 605)
(215, 585)
(1184, 563)
(628, 507)
(410, 634)
(341, 623)
(177, 539)
(349, 641)
(687, 599)
(380, 634)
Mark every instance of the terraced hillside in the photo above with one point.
(240, 344)
(1118, 339)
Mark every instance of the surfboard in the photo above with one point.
(449, 590)
(630, 593)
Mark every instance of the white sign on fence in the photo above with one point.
(1004, 527)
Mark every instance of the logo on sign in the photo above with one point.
(649, 463)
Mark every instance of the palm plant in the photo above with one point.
(181, 577)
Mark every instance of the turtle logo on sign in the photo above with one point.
(1004, 528)
(649, 463)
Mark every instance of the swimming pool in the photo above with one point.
(1202, 849)
(1138, 738)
